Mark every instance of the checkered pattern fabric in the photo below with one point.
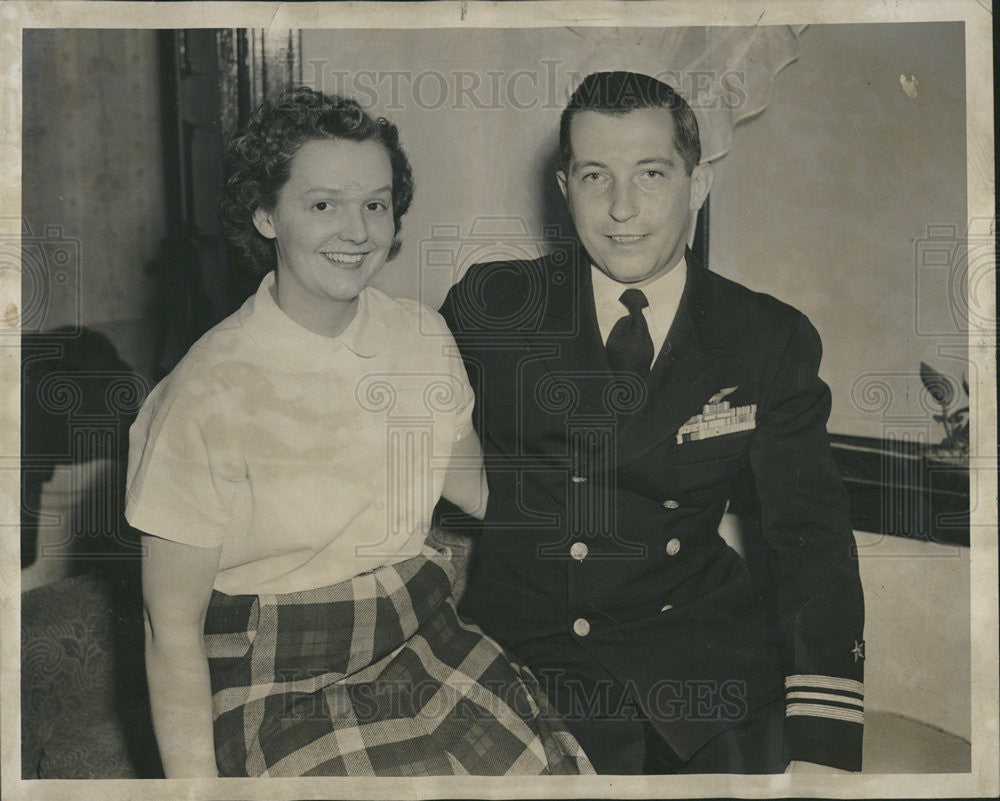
(375, 676)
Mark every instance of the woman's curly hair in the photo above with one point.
(258, 162)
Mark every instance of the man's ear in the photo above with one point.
(702, 177)
(262, 222)
(561, 180)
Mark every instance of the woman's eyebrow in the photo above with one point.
(330, 191)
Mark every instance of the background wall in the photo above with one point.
(827, 200)
(831, 200)
(93, 177)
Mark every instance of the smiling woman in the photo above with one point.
(285, 474)
(333, 230)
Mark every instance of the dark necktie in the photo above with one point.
(629, 345)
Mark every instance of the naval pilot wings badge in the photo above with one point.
(718, 418)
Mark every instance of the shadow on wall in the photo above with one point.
(78, 398)
(83, 675)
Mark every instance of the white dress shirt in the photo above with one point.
(663, 294)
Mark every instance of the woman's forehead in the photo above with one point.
(341, 165)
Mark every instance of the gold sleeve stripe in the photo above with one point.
(824, 683)
(823, 711)
(840, 699)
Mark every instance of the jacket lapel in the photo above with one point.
(569, 343)
(694, 362)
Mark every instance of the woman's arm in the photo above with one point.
(465, 481)
(176, 588)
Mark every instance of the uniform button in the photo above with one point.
(673, 547)
(581, 627)
(670, 504)
(579, 551)
(578, 479)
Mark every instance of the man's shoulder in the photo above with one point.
(737, 301)
(508, 293)
(515, 273)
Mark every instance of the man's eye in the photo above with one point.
(321, 206)
(654, 174)
(376, 205)
(592, 177)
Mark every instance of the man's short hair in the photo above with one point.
(621, 92)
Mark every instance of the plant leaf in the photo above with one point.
(937, 384)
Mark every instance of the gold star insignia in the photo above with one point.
(858, 650)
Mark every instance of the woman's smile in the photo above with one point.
(344, 258)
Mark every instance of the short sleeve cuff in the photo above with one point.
(166, 525)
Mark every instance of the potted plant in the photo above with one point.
(954, 448)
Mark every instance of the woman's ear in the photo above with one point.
(262, 222)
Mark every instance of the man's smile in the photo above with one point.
(626, 239)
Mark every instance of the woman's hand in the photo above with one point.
(177, 585)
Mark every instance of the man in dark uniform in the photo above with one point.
(623, 392)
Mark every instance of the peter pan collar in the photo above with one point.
(298, 347)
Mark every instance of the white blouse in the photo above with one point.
(309, 459)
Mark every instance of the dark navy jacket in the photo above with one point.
(600, 554)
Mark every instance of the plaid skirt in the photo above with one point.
(374, 676)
